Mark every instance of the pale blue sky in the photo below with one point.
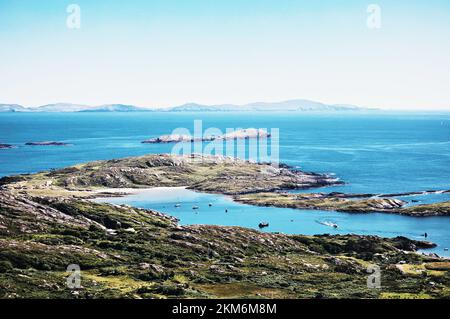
(168, 52)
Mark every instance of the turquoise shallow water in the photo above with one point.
(372, 152)
(290, 221)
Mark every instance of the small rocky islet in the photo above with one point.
(6, 146)
(43, 143)
(47, 221)
(47, 143)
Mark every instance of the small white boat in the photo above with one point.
(330, 224)
(177, 205)
(195, 207)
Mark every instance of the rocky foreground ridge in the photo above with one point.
(124, 252)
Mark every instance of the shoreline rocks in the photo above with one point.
(415, 193)
(343, 203)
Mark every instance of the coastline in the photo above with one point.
(104, 179)
(245, 182)
(154, 256)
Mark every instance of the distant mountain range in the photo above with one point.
(68, 107)
(284, 106)
(291, 105)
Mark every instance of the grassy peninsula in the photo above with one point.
(337, 203)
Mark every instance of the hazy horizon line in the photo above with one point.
(363, 107)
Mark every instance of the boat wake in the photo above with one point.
(327, 223)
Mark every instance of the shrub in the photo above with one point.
(5, 266)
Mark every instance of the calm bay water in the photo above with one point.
(223, 211)
(372, 152)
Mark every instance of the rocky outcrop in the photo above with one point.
(385, 203)
(34, 217)
(436, 209)
(239, 134)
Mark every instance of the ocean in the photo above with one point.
(372, 152)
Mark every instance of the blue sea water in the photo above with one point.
(371, 152)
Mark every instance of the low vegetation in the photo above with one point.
(125, 252)
(47, 223)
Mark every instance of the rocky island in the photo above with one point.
(47, 222)
(236, 135)
(5, 146)
(46, 143)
